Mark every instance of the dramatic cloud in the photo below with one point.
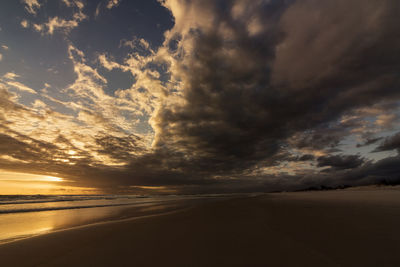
(240, 100)
(340, 161)
(390, 143)
(242, 95)
(253, 77)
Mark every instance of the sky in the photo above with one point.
(198, 96)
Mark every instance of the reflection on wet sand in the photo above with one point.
(20, 225)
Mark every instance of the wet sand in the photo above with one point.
(335, 228)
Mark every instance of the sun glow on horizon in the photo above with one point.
(71, 152)
(25, 183)
(53, 179)
(20, 176)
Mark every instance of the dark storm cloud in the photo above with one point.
(339, 162)
(390, 143)
(320, 138)
(120, 147)
(310, 62)
(44, 155)
(17, 149)
(385, 171)
(289, 157)
(21, 153)
(306, 157)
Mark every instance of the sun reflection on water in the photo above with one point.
(21, 225)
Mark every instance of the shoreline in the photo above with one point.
(96, 223)
(112, 213)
